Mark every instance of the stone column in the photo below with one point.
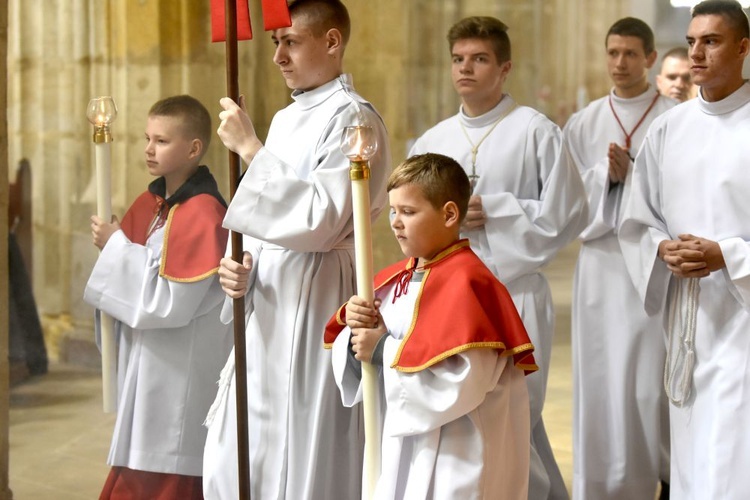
(5, 493)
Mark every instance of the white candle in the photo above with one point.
(359, 143)
(107, 323)
(363, 256)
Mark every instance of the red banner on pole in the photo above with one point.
(218, 28)
(275, 14)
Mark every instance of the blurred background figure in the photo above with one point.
(674, 78)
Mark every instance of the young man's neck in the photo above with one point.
(718, 93)
(480, 107)
(329, 77)
(634, 91)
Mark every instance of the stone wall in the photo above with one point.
(63, 52)
(5, 493)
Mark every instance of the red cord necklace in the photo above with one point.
(629, 136)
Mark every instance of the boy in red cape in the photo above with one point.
(452, 348)
(157, 276)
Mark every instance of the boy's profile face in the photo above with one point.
(169, 152)
(303, 58)
(419, 227)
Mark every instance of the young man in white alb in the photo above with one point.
(294, 207)
(620, 438)
(528, 200)
(686, 238)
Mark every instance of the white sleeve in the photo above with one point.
(348, 377)
(422, 401)
(543, 224)
(603, 198)
(643, 228)
(311, 214)
(736, 253)
(125, 283)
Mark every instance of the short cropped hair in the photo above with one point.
(440, 178)
(484, 28)
(632, 26)
(676, 53)
(196, 121)
(730, 10)
(323, 15)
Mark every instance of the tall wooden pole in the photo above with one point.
(240, 356)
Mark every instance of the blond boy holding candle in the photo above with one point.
(157, 276)
(451, 348)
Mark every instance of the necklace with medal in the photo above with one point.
(474, 177)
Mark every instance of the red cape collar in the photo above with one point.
(194, 241)
(468, 308)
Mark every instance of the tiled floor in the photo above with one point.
(59, 436)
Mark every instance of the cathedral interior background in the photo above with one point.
(58, 54)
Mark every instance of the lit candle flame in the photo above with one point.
(102, 111)
(358, 143)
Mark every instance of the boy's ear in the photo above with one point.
(451, 214)
(196, 148)
(334, 39)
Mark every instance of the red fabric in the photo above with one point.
(194, 241)
(218, 21)
(457, 282)
(138, 218)
(276, 15)
(128, 484)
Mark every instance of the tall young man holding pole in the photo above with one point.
(294, 207)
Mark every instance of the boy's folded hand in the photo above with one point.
(364, 340)
(360, 313)
(101, 231)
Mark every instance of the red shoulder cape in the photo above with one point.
(194, 241)
(468, 308)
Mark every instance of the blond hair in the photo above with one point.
(440, 178)
(196, 121)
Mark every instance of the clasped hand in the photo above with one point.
(367, 326)
(691, 256)
(619, 163)
(475, 216)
